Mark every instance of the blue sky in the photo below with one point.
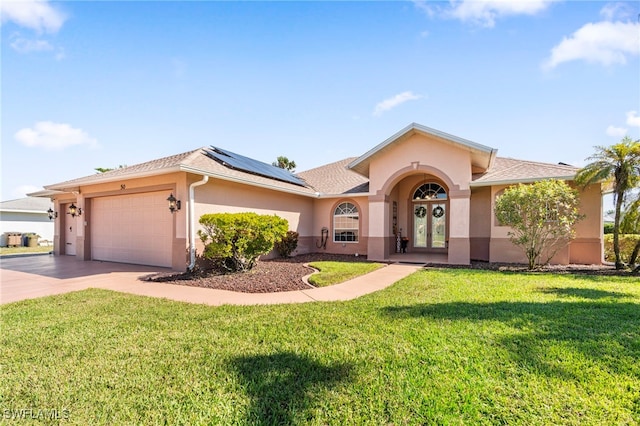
(99, 84)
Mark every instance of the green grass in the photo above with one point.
(338, 272)
(4, 251)
(439, 347)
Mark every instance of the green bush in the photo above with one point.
(287, 244)
(541, 216)
(627, 243)
(608, 228)
(234, 241)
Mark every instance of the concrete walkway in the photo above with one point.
(37, 276)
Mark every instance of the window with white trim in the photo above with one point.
(346, 223)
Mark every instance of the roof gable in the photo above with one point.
(481, 155)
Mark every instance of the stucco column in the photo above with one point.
(459, 223)
(378, 248)
(83, 249)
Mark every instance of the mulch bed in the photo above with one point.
(268, 276)
(277, 275)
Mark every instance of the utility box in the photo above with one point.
(13, 239)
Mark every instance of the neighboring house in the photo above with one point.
(26, 215)
(435, 188)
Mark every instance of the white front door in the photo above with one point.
(430, 225)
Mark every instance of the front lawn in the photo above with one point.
(338, 272)
(440, 347)
(6, 251)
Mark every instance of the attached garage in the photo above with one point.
(133, 228)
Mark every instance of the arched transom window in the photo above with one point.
(345, 223)
(430, 191)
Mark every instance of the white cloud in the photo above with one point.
(22, 190)
(484, 12)
(54, 136)
(22, 45)
(37, 15)
(633, 119)
(604, 42)
(617, 132)
(394, 101)
(616, 11)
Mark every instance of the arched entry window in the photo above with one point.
(430, 216)
(345, 223)
(430, 191)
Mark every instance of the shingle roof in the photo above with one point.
(195, 161)
(336, 178)
(510, 170)
(153, 167)
(331, 179)
(28, 204)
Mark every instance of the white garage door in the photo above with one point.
(132, 229)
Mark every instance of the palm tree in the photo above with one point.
(284, 163)
(618, 165)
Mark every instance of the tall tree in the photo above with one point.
(284, 163)
(541, 217)
(619, 166)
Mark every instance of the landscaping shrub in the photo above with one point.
(627, 242)
(608, 228)
(287, 244)
(234, 241)
(541, 216)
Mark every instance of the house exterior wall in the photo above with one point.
(586, 248)
(323, 210)
(218, 196)
(420, 157)
(480, 224)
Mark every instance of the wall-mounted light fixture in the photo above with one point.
(52, 214)
(174, 204)
(74, 211)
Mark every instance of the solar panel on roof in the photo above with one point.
(249, 165)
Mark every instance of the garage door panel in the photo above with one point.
(132, 229)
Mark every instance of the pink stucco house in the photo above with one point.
(436, 189)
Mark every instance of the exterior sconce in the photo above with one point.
(174, 204)
(74, 211)
(52, 214)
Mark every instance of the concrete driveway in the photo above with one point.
(37, 276)
(28, 277)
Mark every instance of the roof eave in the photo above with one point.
(343, 195)
(516, 181)
(234, 179)
(75, 185)
(43, 212)
(46, 193)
